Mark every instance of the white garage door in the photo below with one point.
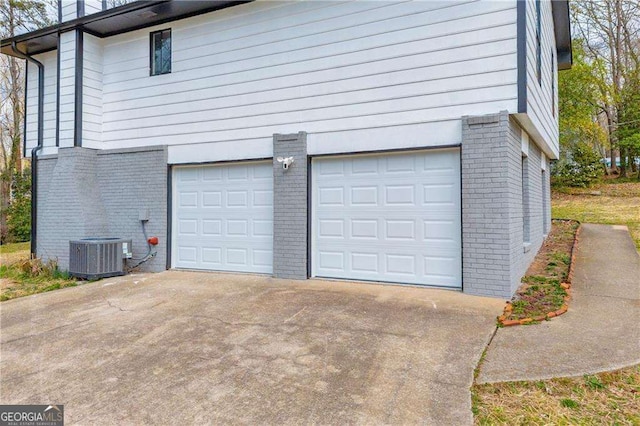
(223, 217)
(392, 217)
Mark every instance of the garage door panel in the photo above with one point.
(262, 198)
(331, 228)
(188, 199)
(263, 258)
(396, 227)
(364, 263)
(333, 168)
(212, 199)
(263, 173)
(402, 264)
(237, 256)
(237, 228)
(331, 196)
(400, 229)
(237, 173)
(212, 256)
(439, 230)
(367, 229)
(235, 199)
(211, 174)
(188, 175)
(439, 194)
(223, 217)
(188, 254)
(364, 166)
(187, 227)
(392, 217)
(364, 195)
(262, 228)
(331, 260)
(400, 165)
(400, 195)
(212, 228)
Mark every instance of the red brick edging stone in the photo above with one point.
(502, 319)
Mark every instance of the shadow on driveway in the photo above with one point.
(188, 347)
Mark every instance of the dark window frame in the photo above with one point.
(538, 43)
(153, 66)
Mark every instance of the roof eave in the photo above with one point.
(562, 30)
(121, 19)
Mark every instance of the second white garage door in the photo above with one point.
(392, 217)
(223, 217)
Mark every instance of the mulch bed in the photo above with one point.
(545, 289)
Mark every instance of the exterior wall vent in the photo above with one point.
(92, 258)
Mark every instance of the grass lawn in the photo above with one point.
(13, 252)
(20, 276)
(608, 203)
(611, 398)
(21, 248)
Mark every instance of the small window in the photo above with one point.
(161, 52)
(538, 43)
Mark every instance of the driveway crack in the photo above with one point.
(47, 331)
(113, 305)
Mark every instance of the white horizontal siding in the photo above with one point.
(49, 60)
(539, 96)
(67, 87)
(69, 10)
(247, 72)
(92, 6)
(92, 92)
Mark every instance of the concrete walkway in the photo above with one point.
(601, 330)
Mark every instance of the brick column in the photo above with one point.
(290, 200)
(491, 190)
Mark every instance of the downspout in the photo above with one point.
(34, 151)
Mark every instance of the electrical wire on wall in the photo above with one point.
(150, 253)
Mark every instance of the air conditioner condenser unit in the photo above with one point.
(92, 258)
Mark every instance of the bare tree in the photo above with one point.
(16, 16)
(611, 29)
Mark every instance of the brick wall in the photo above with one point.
(46, 242)
(88, 193)
(130, 181)
(69, 204)
(290, 207)
(494, 254)
(522, 254)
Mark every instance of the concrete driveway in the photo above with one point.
(187, 347)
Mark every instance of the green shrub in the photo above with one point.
(19, 210)
(580, 169)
